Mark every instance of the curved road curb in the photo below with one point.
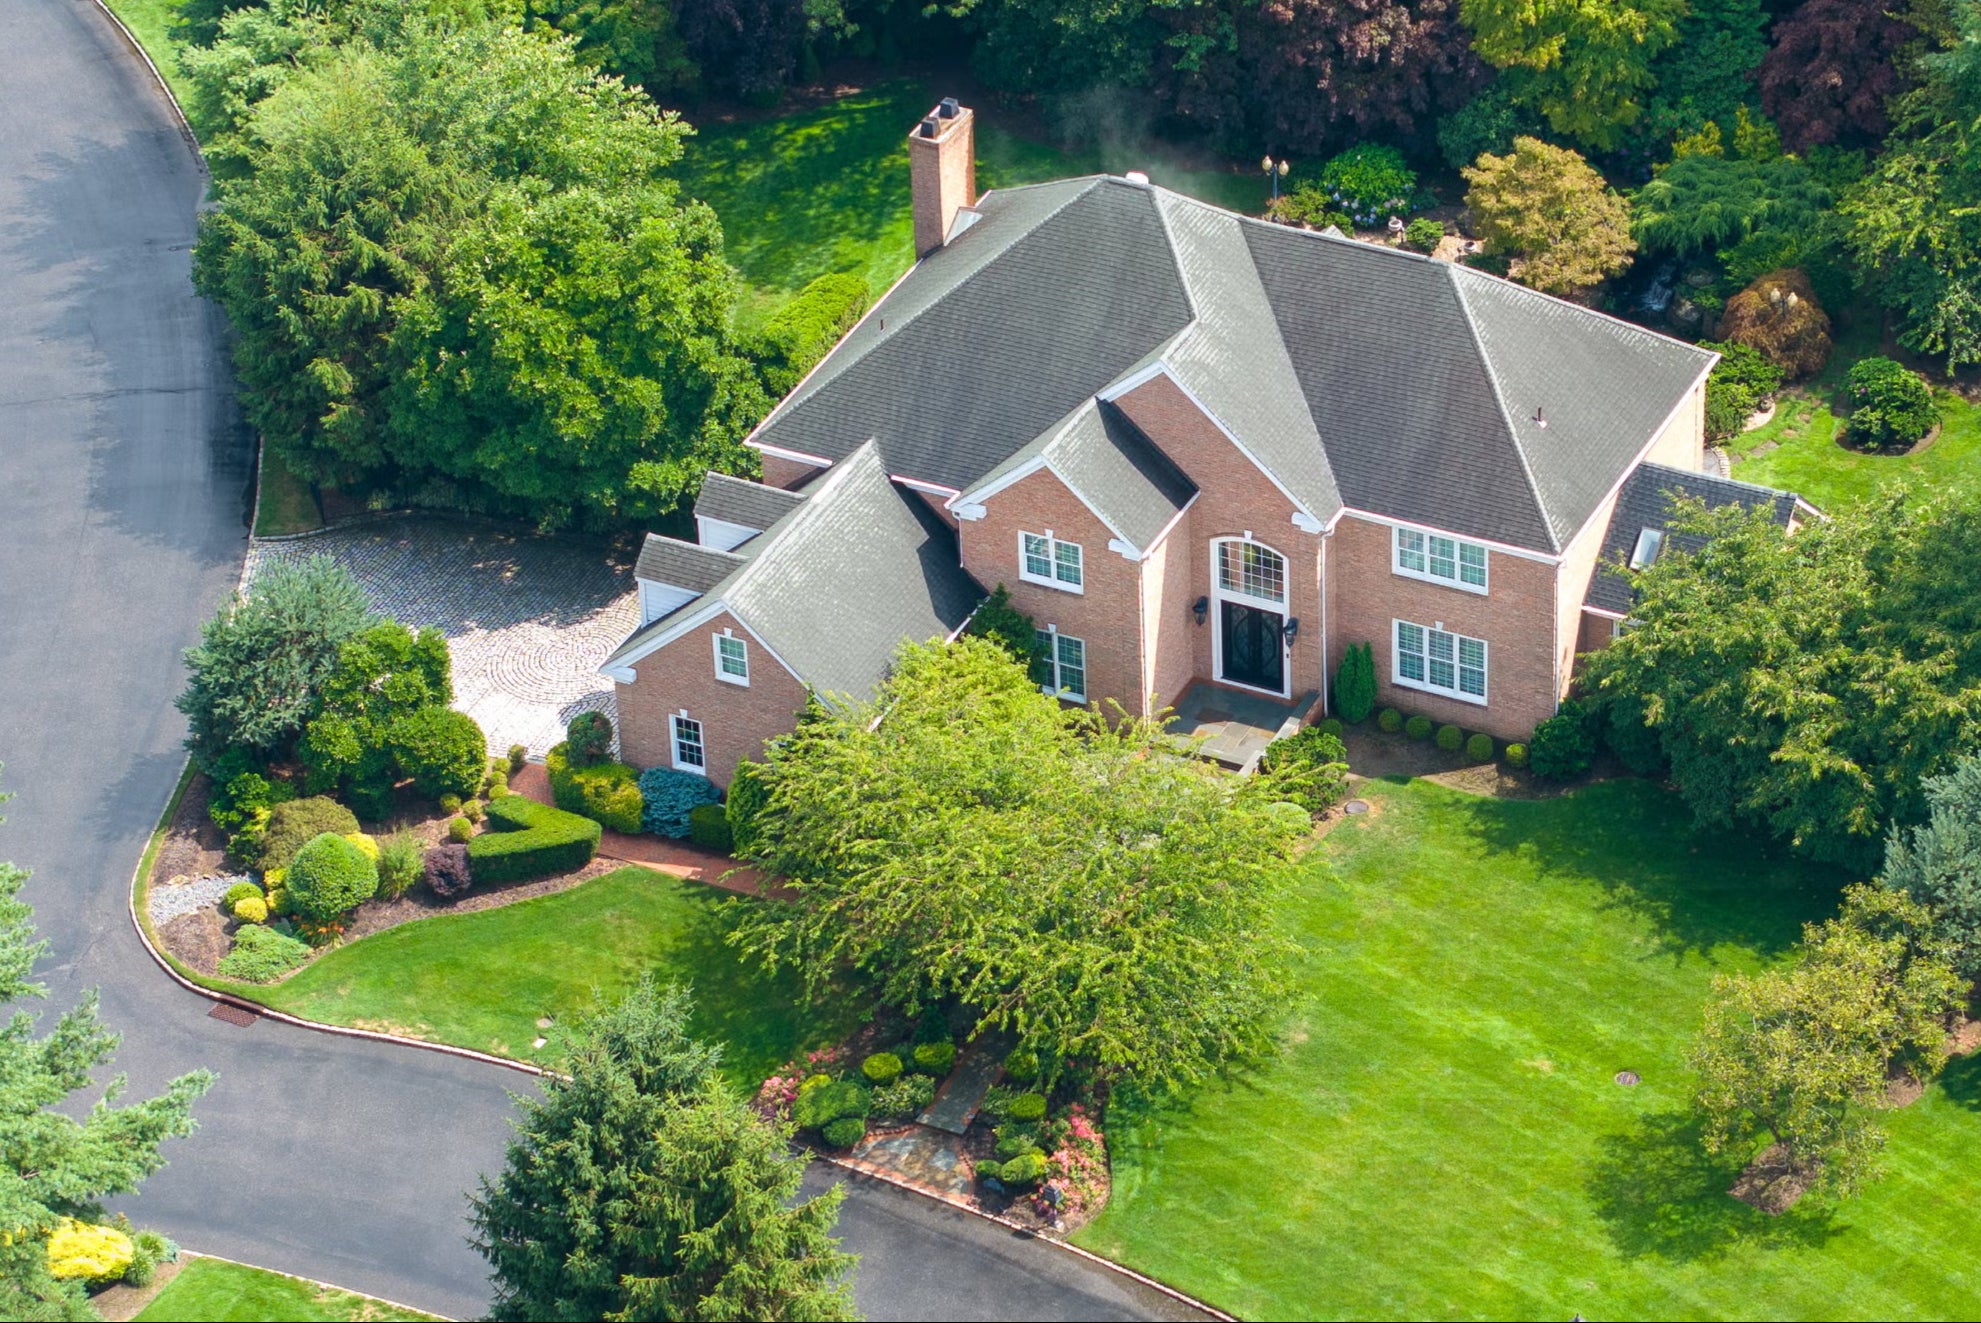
(311, 1281)
(178, 111)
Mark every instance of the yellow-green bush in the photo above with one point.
(82, 1251)
(365, 843)
(251, 909)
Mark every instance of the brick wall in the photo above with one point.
(787, 473)
(1594, 632)
(1515, 618)
(942, 176)
(1170, 583)
(735, 720)
(1106, 615)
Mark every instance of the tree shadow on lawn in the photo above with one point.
(1660, 1194)
(1961, 1081)
(1698, 887)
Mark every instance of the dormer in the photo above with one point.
(731, 511)
(673, 573)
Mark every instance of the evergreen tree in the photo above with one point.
(1938, 863)
(643, 1188)
(1355, 683)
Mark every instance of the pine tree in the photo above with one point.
(1355, 683)
(643, 1188)
(1938, 863)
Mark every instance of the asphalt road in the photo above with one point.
(124, 486)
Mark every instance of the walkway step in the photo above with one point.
(956, 1105)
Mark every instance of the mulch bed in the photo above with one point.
(1769, 1183)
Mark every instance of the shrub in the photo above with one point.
(518, 755)
(1450, 738)
(148, 1250)
(450, 803)
(444, 869)
(988, 1168)
(1742, 381)
(588, 739)
(668, 796)
(235, 801)
(1314, 765)
(1306, 204)
(882, 1067)
(606, 792)
(398, 865)
(442, 750)
(1562, 746)
(1021, 1065)
(818, 1106)
(1423, 234)
(364, 843)
(907, 1096)
(935, 1058)
(85, 1252)
(747, 796)
(530, 840)
(845, 1132)
(1516, 755)
(1639, 746)
(250, 909)
(1355, 683)
(1330, 726)
(329, 877)
(1027, 1107)
(1011, 1142)
(1389, 721)
(1479, 748)
(1369, 180)
(239, 892)
(1890, 407)
(708, 827)
(460, 831)
(262, 955)
(1779, 317)
(1025, 1169)
(298, 822)
(278, 903)
(1418, 728)
(801, 331)
(472, 810)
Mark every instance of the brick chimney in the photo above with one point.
(942, 167)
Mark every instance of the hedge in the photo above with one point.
(708, 827)
(606, 792)
(528, 839)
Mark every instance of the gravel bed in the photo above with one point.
(171, 899)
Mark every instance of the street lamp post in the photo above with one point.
(1275, 171)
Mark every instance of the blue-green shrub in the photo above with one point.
(528, 840)
(669, 796)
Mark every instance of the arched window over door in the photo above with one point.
(1249, 585)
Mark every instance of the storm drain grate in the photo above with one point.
(233, 1015)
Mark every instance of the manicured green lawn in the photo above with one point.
(826, 190)
(483, 980)
(285, 504)
(150, 21)
(1441, 1135)
(215, 1291)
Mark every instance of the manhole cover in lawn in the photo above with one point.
(1354, 806)
(1626, 1078)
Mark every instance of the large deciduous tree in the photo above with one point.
(1545, 207)
(1831, 70)
(643, 1187)
(1584, 64)
(1074, 879)
(57, 1159)
(1806, 684)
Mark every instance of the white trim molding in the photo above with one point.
(797, 456)
(722, 673)
(675, 722)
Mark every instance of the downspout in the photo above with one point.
(1327, 699)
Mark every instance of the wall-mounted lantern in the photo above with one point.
(1291, 630)
(1201, 608)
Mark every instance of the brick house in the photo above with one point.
(1205, 454)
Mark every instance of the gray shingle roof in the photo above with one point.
(1645, 501)
(683, 564)
(742, 502)
(838, 583)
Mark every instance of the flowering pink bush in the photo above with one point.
(1077, 1167)
(776, 1094)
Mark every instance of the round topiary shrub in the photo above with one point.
(817, 1108)
(881, 1067)
(589, 737)
(935, 1058)
(1890, 407)
(1563, 746)
(1025, 1169)
(518, 755)
(1027, 1107)
(239, 892)
(1450, 738)
(442, 750)
(1389, 721)
(450, 803)
(460, 831)
(296, 823)
(1021, 1065)
(1480, 748)
(1516, 755)
(845, 1132)
(330, 876)
(1331, 726)
(251, 909)
(473, 810)
(1418, 728)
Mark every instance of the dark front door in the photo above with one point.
(1252, 652)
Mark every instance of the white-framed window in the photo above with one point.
(1430, 657)
(1440, 559)
(1060, 665)
(1043, 558)
(1250, 569)
(690, 754)
(732, 659)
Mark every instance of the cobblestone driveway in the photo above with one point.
(528, 619)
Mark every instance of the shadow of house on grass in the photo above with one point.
(1659, 1194)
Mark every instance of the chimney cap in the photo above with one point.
(931, 126)
(950, 105)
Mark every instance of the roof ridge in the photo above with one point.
(808, 509)
(1488, 280)
(1499, 398)
(1702, 475)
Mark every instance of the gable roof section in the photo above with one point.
(837, 584)
(744, 503)
(1645, 501)
(687, 565)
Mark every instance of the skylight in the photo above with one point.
(1649, 542)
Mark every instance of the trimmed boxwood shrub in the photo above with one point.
(1563, 745)
(262, 955)
(881, 1067)
(1025, 1169)
(845, 1132)
(820, 1105)
(606, 792)
(1021, 1065)
(1330, 726)
(329, 877)
(708, 827)
(1418, 728)
(444, 869)
(935, 1058)
(1450, 738)
(1389, 721)
(442, 750)
(668, 796)
(747, 796)
(1027, 1107)
(300, 821)
(460, 831)
(530, 840)
(251, 909)
(1321, 765)
(1516, 755)
(1479, 748)
(239, 892)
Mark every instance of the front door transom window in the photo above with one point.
(1250, 570)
